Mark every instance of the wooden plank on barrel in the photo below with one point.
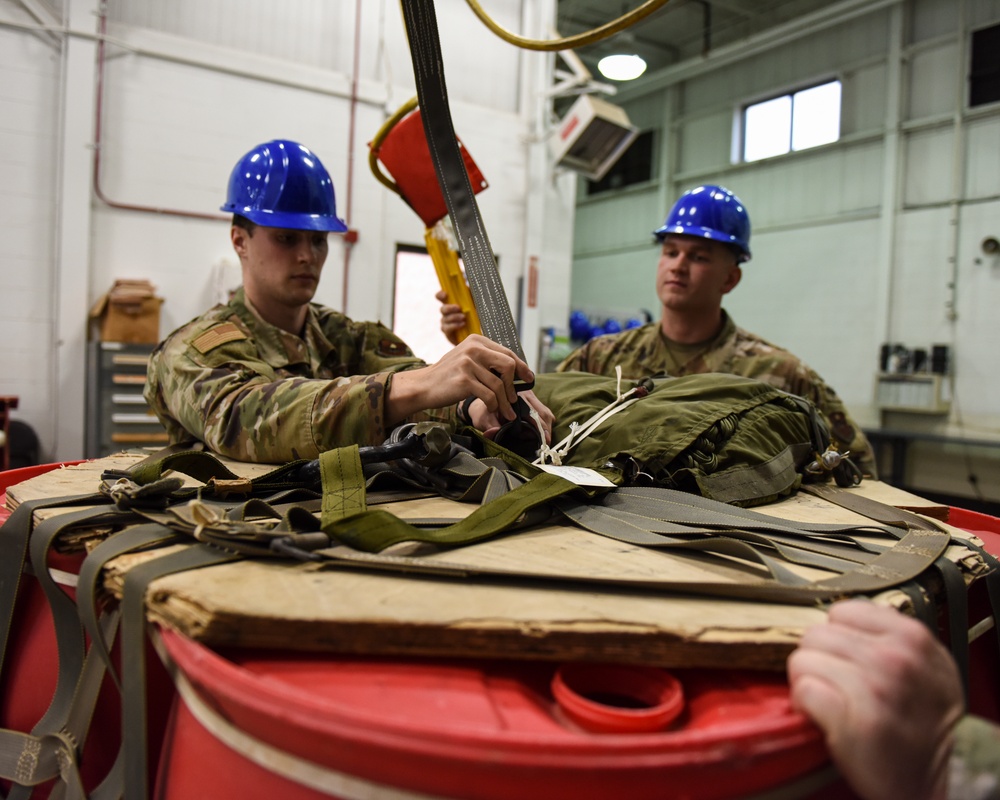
(301, 607)
(277, 604)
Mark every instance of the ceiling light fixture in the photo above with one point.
(621, 67)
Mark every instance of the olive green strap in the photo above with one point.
(208, 469)
(137, 581)
(376, 529)
(15, 534)
(343, 484)
(57, 737)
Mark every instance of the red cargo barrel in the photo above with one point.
(259, 724)
(31, 665)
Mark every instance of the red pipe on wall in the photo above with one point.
(98, 112)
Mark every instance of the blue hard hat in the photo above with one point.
(282, 184)
(712, 212)
(579, 326)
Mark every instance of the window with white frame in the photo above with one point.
(795, 121)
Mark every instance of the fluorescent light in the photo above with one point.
(621, 67)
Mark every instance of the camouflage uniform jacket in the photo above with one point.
(644, 351)
(974, 769)
(254, 392)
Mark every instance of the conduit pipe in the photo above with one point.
(103, 39)
(351, 236)
(98, 112)
(958, 158)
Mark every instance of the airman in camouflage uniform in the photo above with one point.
(974, 769)
(271, 376)
(888, 697)
(705, 239)
(645, 351)
(252, 391)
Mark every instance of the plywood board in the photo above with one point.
(246, 604)
(275, 604)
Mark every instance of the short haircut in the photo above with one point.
(242, 222)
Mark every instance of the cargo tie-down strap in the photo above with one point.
(232, 518)
(488, 296)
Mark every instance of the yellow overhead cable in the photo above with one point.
(569, 42)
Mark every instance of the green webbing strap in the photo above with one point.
(687, 508)
(958, 616)
(14, 536)
(862, 568)
(992, 579)
(873, 509)
(375, 529)
(137, 581)
(343, 484)
(29, 759)
(205, 467)
(607, 521)
(955, 591)
(769, 478)
(740, 543)
(69, 636)
(924, 607)
(138, 537)
(490, 478)
(55, 738)
(883, 572)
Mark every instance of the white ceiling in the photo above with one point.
(680, 30)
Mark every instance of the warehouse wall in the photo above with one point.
(187, 88)
(873, 239)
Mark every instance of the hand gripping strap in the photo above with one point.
(477, 254)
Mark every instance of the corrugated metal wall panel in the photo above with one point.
(815, 186)
(928, 174)
(982, 173)
(623, 222)
(933, 87)
(863, 100)
(620, 284)
(812, 290)
(704, 144)
(929, 19)
(919, 300)
(982, 12)
(310, 32)
(789, 66)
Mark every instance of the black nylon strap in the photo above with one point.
(956, 601)
(480, 266)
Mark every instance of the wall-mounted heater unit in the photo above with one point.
(592, 137)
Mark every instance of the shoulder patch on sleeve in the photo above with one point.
(387, 347)
(218, 335)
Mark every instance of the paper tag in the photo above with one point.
(581, 476)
